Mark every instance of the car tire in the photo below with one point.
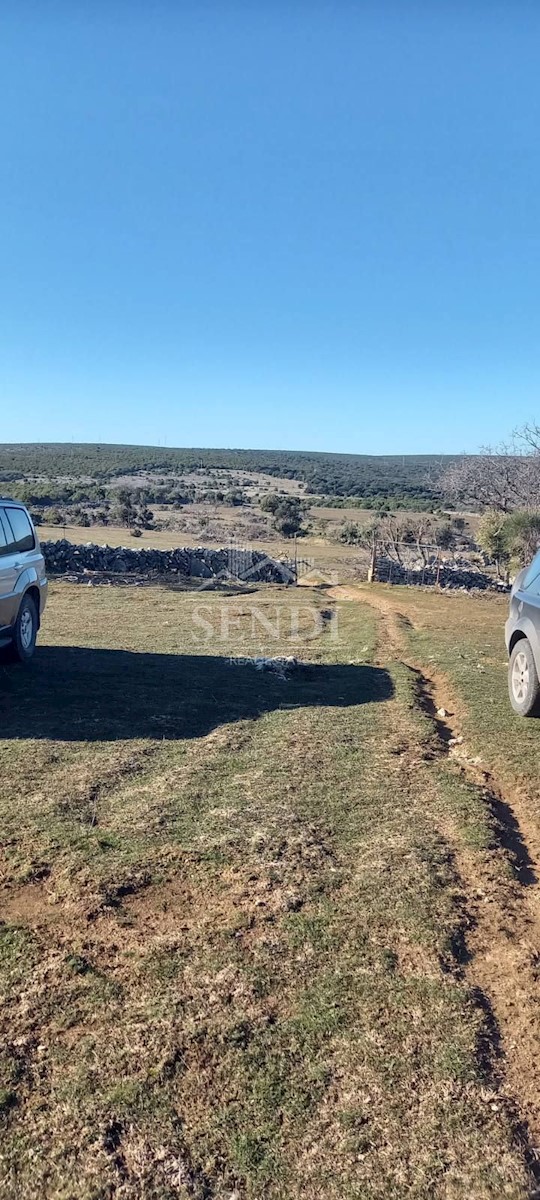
(25, 632)
(523, 681)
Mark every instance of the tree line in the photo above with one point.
(404, 477)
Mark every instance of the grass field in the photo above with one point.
(242, 953)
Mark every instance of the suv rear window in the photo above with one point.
(19, 531)
(5, 538)
(532, 573)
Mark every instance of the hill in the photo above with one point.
(410, 476)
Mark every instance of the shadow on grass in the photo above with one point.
(73, 693)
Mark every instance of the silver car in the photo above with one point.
(23, 581)
(522, 635)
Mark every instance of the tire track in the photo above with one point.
(501, 886)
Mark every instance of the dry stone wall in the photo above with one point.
(458, 574)
(65, 557)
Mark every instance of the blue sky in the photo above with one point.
(289, 225)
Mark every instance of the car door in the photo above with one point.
(529, 593)
(11, 565)
(525, 606)
(18, 550)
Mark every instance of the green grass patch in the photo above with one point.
(241, 979)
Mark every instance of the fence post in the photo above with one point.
(437, 577)
(372, 565)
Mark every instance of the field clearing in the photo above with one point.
(365, 516)
(236, 923)
(253, 482)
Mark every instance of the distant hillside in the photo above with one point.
(327, 474)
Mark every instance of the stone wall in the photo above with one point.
(448, 575)
(253, 566)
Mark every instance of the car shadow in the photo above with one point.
(73, 693)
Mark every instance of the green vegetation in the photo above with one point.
(287, 512)
(406, 477)
(510, 540)
(381, 503)
(131, 509)
(464, 638)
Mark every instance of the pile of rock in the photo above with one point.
(450, 574)
(64, 558)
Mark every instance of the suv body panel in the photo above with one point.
(20, 570)
(524, 615)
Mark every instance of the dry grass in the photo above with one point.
(230, 914)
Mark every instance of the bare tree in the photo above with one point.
(390, 536)
(501, 478)
(420, 530)
(528, 436)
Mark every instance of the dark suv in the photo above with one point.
(23, 582)
(522, 634)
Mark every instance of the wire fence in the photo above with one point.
(430, 565)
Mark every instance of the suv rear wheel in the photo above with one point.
(25, 632)
(523, 682)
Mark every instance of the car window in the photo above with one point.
(531, 580)
(23, 534)
(533, 588)
(4, 538)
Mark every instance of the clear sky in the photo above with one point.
(276, 223)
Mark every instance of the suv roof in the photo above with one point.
(8, 500)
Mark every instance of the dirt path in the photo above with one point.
(501, 959)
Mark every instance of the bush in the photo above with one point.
(53, 516)
(445, 536)
(350, 533)
(509, 540)
(287, 512)
(235, 497)
(522, 535)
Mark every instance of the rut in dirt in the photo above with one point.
(502, 818)
(501, 961)
(500, 957)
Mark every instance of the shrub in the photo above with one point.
(235, 497)
(350, 533)
(287, 512)
(509, 540)
(53, 516)
(522, 536)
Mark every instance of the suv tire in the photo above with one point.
(523, 682)
(25, 631)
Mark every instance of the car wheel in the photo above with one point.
(523, 682)
(25, 633)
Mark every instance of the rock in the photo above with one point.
(457, 574)
(203, 563)
(199, 568)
